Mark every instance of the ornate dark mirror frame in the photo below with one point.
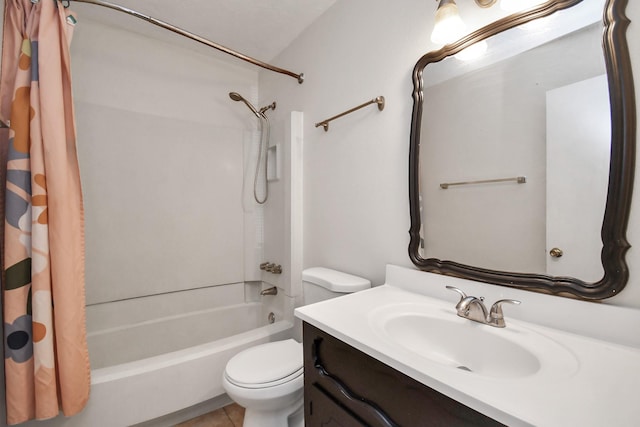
(621, 169)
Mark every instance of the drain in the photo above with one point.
(464, 368)
(272, 317)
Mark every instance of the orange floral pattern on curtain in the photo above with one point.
(46, 358)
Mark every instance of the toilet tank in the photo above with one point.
(319, 284)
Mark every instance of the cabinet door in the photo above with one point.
(372, 393)
(322, 411)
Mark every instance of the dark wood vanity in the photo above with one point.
(346, 387)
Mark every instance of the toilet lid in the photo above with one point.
(266, 364)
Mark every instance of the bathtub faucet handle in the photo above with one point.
(264, 265)
(271, 267)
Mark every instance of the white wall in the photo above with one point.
(356, 215)
(355, 191)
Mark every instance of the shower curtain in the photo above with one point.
(46, 357)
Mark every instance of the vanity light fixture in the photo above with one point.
(448, 24)
(449, 27)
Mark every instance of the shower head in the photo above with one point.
(237, 97)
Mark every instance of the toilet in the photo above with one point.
(267, 379)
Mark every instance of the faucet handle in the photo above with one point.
(496, 317)
(453, 288)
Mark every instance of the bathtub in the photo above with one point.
(179, 365)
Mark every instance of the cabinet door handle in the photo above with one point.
(370, 406)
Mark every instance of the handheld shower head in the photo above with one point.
(265, 129)
(237, 97)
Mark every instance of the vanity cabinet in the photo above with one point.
(345, 387)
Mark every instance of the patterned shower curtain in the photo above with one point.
(46, 358)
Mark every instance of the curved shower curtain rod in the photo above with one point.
(167, 26)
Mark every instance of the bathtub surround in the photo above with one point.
(166, 165)
(188, 338)
(174, 322)
(283, 214)
(46, 357)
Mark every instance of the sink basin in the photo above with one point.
(441, 337)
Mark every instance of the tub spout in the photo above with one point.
(270, 291)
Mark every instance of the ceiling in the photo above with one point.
(257, 28)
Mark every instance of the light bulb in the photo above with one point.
(448, 24)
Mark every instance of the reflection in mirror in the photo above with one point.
(507, 137)
(535, 105)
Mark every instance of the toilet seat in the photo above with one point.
(266, 365)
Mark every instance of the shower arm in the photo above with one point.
(167, 26)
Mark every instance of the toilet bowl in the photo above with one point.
(267, 380)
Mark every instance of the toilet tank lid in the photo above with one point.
(335, 281)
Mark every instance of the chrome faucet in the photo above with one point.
(473, 308)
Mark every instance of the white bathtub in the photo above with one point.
(152, 368)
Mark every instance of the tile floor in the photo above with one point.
(229, 416)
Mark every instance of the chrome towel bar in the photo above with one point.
(518, 179)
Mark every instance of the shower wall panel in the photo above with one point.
(163, 205)
(162, 162)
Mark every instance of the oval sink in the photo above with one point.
(444, 338)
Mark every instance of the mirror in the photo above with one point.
(521, 161)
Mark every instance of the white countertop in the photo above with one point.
(601, 390)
